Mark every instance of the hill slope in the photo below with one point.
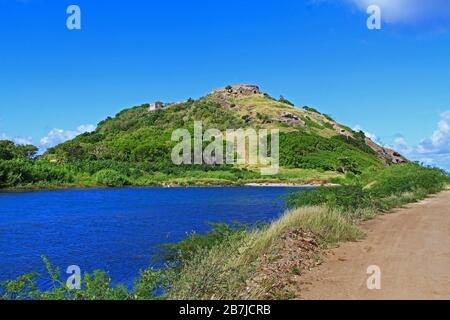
(309, 140)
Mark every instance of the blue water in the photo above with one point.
(117, 230)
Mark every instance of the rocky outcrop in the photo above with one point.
(241, 90)
(229, 96)
(291, 120)
(387, 155)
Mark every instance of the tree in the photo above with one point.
(286, 101)
(6, 150)
(28, 151)
(10, 151)
(348, 165)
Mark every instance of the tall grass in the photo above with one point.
(376, 189)
(221, 271)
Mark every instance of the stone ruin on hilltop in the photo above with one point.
(243, 90)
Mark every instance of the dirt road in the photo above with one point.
(411, 247)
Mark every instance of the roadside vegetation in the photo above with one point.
(226, 262)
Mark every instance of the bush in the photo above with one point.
(95, 286)
(346, 198)
(376, 189)
(9, 150)
(21, 172)
(403, 178)
(185, 249)
(286, 101)
(307, 151)
(110, 178)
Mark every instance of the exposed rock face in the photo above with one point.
(291, 120)
(228, 96)
(387, 155)
(242, 90)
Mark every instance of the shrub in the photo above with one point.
(21, 172)
(185, 249)
(9, 150)
(346, 198)
(285, 101)
(110, 178)
(376, 189)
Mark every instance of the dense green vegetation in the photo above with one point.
(25, 173)
(218, 264)
(10, 151)
(335, 154)
(137, 135)
(375, 189)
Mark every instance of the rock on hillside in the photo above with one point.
(257, 106)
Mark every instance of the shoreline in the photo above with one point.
(170, 186)
(293, 185)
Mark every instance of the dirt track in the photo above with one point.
(411, 246)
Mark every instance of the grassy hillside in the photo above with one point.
(134, 147)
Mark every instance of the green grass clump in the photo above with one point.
(221, 271)
(376, 189)
(110, 178)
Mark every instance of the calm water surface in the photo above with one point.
(117, 230)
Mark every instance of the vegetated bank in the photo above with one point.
(242, 262)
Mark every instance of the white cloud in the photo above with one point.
(434, 150)
(23, 141)
(53, 138)
(401, 145)
(57, 136)
(369, 135)
(408, 11)
(439, 142)
(17, 140)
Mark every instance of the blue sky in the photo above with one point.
(393, 83)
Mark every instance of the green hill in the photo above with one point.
(134, 147)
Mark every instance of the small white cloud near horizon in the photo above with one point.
(407, 11)
(17, 140)
(433, 151)
(439, 142)
(57, 136)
